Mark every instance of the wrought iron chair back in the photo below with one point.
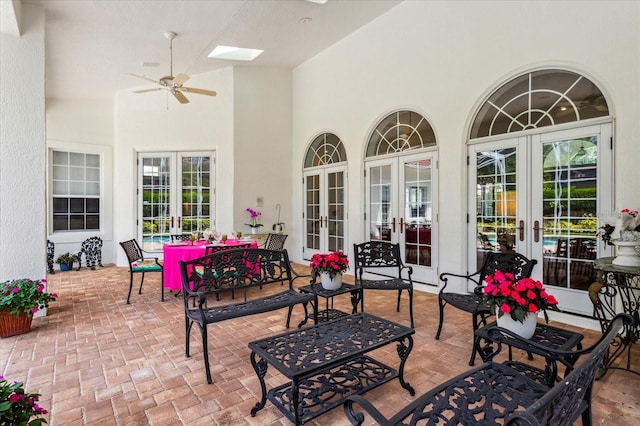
(384, 257)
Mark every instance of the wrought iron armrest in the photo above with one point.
(357, 418)
(409, 271)
(444, 277)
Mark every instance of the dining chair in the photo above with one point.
(275, 241)
(179, 237)
(138, 263)
(384, 257)
(515, 263)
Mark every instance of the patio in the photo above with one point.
(98, 361)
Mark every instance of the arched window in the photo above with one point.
(539, 99)
(325, 149)
(400, 131)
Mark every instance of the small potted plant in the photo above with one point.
(516, 303)
(66, 261)
(253, 224)
(18, 407)
(19, 300)
(330, 267)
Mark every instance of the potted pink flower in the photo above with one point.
(330, 267)
(19, 300)
(517, 301)
(18, 407)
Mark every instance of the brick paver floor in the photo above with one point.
(98, 361)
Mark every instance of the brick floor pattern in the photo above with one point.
(98, 361)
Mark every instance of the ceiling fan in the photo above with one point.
(171, 83)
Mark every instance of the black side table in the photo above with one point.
(550, 338)
(617, 289)
(330, 313)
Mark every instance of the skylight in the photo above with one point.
(234, 53)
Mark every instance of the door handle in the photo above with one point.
(521, 231)
(536, 231)
(179, 222)
(172, 221)
(401, 225)
(320, 221)
(393, 225)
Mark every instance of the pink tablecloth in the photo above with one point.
(176, 252)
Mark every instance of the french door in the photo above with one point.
(540, 195)
(400, 209)
(325, 210)
(175, 195)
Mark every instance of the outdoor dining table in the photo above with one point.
(184, 250)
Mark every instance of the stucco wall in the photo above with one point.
(22, 150)
(441, 59)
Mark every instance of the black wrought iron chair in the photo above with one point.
(512, 262)
(138, 263)
(92, 249)
(51, 248)
(379, 255)
(275, 242)
(179, 237)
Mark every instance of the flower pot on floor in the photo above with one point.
(329, 283)
(64, 267)
(11, 325)
(524, 329)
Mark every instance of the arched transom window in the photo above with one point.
(539, 99)
(400, 131)
(325, 149)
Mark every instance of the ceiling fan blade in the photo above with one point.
(199, 91)
(143, 77)
(147, 90)
(179, 79)
(180, 97)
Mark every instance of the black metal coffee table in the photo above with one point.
(327, 362)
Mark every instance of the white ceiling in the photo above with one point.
(91, 45)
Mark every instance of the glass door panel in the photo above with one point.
(156, 199)
(569, 167)
(336, 211)
(496, 201)
(380, 205)
(417, 212)
(196, 193)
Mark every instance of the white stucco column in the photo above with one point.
(23, 148)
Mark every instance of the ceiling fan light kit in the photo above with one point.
(171, 83)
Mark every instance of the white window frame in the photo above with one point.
(106, 192)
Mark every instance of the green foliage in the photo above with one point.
(67, 259)
(24, 295)
(18, 407)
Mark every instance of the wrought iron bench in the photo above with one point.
(204, 278)
(494, 393)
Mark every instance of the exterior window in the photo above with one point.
(399, 132)
(76, 191)
(539, 99)
(325, 149)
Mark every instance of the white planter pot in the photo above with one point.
(626, 253)
(329, 283)
(524, 329)
(254, 231)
